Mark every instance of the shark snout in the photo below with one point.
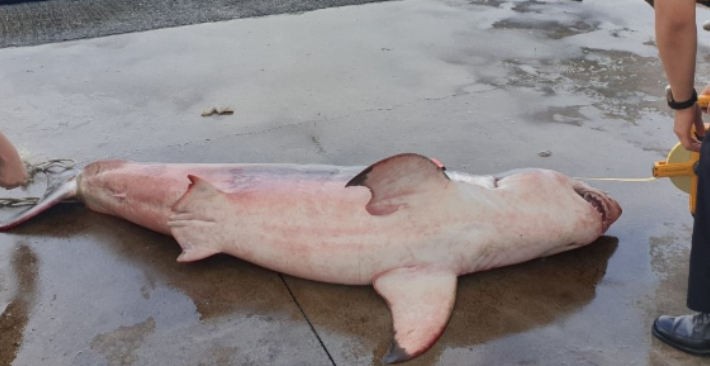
(613, 211)
(606, 205)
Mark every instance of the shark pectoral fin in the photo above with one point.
(194, 221)
(401, 180)
(421, 300)
(194, 254)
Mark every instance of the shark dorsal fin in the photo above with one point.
(400, 180)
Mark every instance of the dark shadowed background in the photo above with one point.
(25, 23)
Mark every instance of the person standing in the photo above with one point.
(676, 39)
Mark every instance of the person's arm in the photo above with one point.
(676, 38)
(12, 171)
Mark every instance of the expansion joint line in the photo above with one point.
(305, 316)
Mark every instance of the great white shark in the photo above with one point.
(405, 224)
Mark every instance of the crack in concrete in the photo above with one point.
(305, 316)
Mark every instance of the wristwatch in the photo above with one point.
(680, 105)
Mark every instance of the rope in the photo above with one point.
(649, 179)
(18, 202)
(52, 166)
(47, 167)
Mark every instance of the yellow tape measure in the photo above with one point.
(679, 166)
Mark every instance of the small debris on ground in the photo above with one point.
(218, 111)
(545, 153)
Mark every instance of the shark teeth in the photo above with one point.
(595, 201)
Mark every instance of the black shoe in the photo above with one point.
(689, 333)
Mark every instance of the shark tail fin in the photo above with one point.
(57, 191)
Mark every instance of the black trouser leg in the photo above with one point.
(699, 273)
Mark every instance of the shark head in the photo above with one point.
(608, 209)
(569, 205)
(562, 191)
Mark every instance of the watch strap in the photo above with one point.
(684, 104)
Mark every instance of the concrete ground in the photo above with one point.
(483, 86)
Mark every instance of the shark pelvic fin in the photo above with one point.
(195, 218)
(397, 180)
(421, 300)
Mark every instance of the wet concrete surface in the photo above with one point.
(483, 86)
(15, 313)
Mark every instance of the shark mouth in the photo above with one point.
(597, 201)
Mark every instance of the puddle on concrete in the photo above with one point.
(490, 305)
(222, 356)
(15, 315)
(565, 115)
(234, 284)
(145, 307)
(551, 29)
(492, 3)
(119, 345)
(620, 84)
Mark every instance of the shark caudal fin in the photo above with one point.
(421, 300)
(196, 218)
(57, 191)
(401, 180)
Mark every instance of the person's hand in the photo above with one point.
(685, 119)
(12, 174)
